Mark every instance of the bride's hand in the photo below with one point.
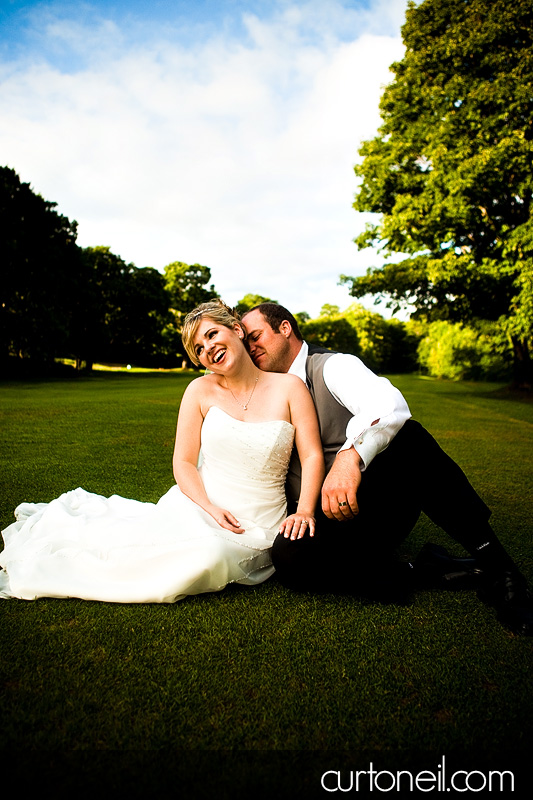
(297, 525)
(226, 519)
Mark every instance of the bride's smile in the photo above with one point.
(219, 356)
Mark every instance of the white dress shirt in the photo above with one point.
(379, 409)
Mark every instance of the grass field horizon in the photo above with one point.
(258, 669)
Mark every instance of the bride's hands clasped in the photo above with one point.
(297, 525)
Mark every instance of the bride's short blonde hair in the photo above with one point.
(215, 310)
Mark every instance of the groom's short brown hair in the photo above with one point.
(275, 315)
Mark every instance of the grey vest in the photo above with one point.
(332, 418)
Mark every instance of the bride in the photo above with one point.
(217, 525)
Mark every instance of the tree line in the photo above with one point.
(60, 301)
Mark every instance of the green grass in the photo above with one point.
(261, 668)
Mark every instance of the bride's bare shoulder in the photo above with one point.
(202, 385)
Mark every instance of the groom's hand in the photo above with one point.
(339, 491)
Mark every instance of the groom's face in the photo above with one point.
(270, 350)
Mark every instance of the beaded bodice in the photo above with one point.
(244, 465)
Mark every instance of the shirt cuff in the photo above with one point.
(368, 444)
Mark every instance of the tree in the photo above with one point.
(302, 317)
(40, 276)
(456, 351)
(123, 314)
(186, 286)
(96, 328)
(250, 301)
(153, 337)
(329, 310)
(333, 331)
(451, 171)
(385, 345)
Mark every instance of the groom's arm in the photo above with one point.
(341, 486)
(378, 410)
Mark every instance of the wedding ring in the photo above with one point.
(343, 504)
(305, 522)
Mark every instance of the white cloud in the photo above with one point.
(236, 154)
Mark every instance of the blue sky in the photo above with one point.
(221, 133)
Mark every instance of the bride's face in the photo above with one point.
(216, 346)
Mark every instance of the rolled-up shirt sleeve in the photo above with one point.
(379, 409)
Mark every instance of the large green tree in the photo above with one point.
(123, 314)
(40, 275)
(383, 345)
(332, 330)
(251, 300)
(456, 351)
(386, 345)
(451, 170)
(186, 286)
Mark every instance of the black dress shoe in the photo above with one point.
(508, 593)
(436, 568)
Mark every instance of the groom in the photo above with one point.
(383, 469)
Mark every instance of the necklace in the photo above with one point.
(245, 406)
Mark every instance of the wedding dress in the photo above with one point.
(121, 550)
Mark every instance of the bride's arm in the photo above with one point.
(309, 446)
(185, 458)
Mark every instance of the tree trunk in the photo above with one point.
(523, 365)
(83, 365)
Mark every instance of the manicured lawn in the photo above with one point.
(258, 669)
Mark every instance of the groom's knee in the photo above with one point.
(295, 562)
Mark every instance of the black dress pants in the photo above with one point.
(413, 474)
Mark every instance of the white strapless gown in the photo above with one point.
(124, 551)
